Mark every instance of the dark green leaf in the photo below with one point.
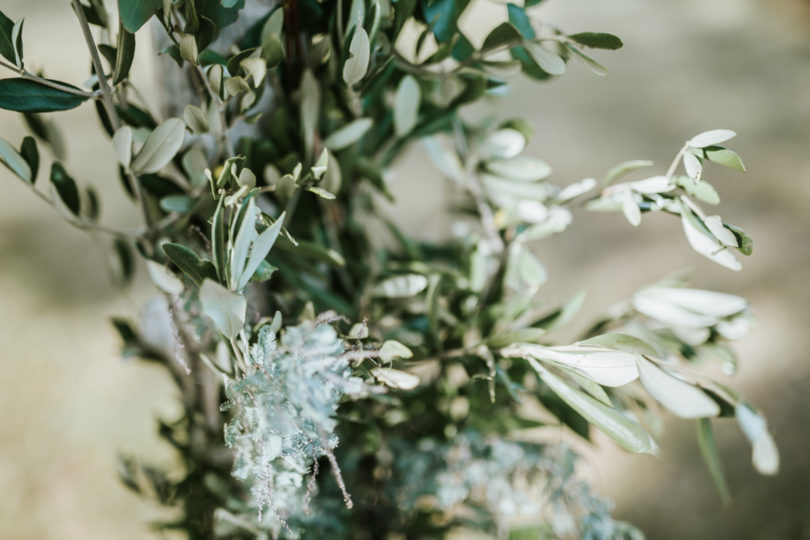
(597, 40)
(501, 35)
(65, 188)
(745, 242)
(188, 261)
(264, 272)
(93, 207)
(6, 43)
(124, 262)
(519, 19)
(124, 55)
(25, 95)
(29, 152)
(134, 13)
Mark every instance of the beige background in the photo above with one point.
(69, 403)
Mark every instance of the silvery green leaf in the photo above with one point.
(160, 147)
(692, 165)
(393, 350)
(736, 328)
(710, 138)
(705, 243)
(755, 428)
(714, 304)
(348, 134)
(715, 226)
(668, 313)
(122, 143)
(257, 67)
(700, 189)
(310, 108)
(625, 168)
(394, 378)
(226, 308)
(576, 189)
(322, 193)
(401, 286)
(406, 105)
(591, 387)
(196, 119)
(246, 178)
(260, 247)
(14, 161)
(678, 396)
(188, 48)
(592, 64)
(357, 15)
(709, 450)
(523, 168)
(507, 192)
(241, 244)
(619, 341)
(725, 157)
(655, 184)
(164, 279)
(505, 143)
(356, 65)
(320, 166)
(607, 367)
(630, 208)
(444, 157)
(550, 62)
(627, 433)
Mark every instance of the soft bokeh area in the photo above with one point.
(69, 403)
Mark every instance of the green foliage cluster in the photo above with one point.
(301, 322)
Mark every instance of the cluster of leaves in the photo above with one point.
(263, 199)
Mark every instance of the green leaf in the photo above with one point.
(401, 286)
(26, 95)
(348, 134)
(521, 21)
(710, 138)
(122, 143)
(182, 204)
(678, 396)
(226, 308)
(622, 342)
(394, 378)
(766, 455)
(164, 279)
(125, 54)
(356, 65)
(708, 449)
(627, 433)
(597, 40)
(187, 260)
(160, 147)
(699, 189)
(6, 41)
(123, 264)
(592, 64)
(406, 105)
(393, 350)
(259, 249)
(196, 119)
(134, 13)
(623, 169)
(549, 61)
(501, 35)
(744, 242)
(65, 188)
(14, 161)
(264, 272)
(218, 240)
(526, 169)
(725, 157)
(29, 152)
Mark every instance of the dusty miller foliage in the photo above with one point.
(338, 377)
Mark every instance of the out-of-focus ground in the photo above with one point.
(69, 403)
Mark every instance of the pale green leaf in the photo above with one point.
(678, 396)
(226, 308)
(710, 138)
(14, 161)
(406, 105)
(348, 134)
(356, 65)
(160, 147)
(393, 350)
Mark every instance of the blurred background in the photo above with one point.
(69, 403)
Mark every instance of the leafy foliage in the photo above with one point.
(427, 358)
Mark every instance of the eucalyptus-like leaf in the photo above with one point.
(711, 138)
(226, 308)
(122, 143)
(394, 378)
(523, 168)
(356, 66)
(164, 279)
(627, 433)
(160, 147)
(549, 61)
(406, 105)
(678, 396)
(394, 350)
(401, 286)
(348, 134)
